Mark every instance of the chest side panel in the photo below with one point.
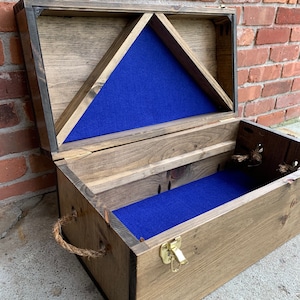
(221, 244)
(90, 231)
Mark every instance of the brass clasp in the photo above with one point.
(170, 253)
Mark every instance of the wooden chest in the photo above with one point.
(165, 190)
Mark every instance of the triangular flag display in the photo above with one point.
(149, 86)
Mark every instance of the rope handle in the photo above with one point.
(69, 247)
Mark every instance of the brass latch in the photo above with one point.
(170, 252)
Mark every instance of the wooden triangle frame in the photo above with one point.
(170, 37)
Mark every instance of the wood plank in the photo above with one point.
(200, 35)
(36, 78)
(88, 232)
(98, 77)
(135, 135)
(249, 136)
(109, 182)
(221, 243)
(293, 153)
(147, 187)
(128, 5)
(113, 161)
(225, 30)
(71, 49)
(166, 31)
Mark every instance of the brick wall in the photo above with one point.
(268, 60)
(268, 86)
(24, 172)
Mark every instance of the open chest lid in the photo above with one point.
(105, 74)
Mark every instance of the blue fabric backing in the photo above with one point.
(149, 86)
(156, 214)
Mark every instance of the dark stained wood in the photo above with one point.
(89, 231)
(82, 6)
(98, 77)
(226, 56)
(221, 243)
(36, 78)
(135, 135)
(133, 156)
(134, 191)
(67, 67)
(165, 30)
(275, 148)
(293, 153)
(69, 57)
(200, 35)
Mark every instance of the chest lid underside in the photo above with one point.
(109, 75)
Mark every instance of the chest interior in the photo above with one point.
(160, 183)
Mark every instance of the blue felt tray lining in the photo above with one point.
(156, 214)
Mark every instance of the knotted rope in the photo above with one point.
(72, 249)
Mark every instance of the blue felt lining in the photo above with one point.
(149, 86)
(156, 214)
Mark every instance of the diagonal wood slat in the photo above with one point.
(98, 77)
(180, 49)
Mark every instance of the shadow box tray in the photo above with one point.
(164, 192)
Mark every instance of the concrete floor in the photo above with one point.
(34, 267)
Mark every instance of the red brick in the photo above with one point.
(1, 53)
(238, 10)
(249, 93)
(295, 35)
(272, 35)
(259, 107)
(12, 85)
(8, 115)
(31, 185)
(275, 1)
(240, 1)
(259, 15)
(242, 76)
(245, 36)
(288, 15)
(16, 51)
(252, 57)
(7, 18)
(18, 141)
(296, 84)
(288, 100)
(291, 69)
(12, 169)
(293, 112)
(284, 53)
(260, 74)
(40, 163)
(275, 88)
(271, 119)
